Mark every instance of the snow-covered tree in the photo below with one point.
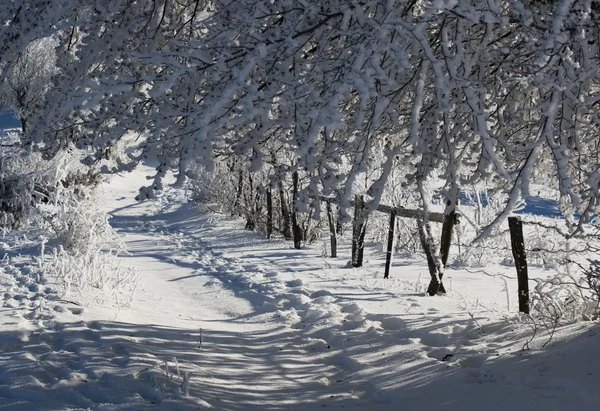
(28, 80)
(467, 90)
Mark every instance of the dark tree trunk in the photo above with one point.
(358, 232)
(285, 211)
(332, 234)
(269, 212)
(307, 237)
(238, 194)
(338, 222)
(296, 229)
(257, 208)
(249, 206)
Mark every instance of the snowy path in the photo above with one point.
(228, 320)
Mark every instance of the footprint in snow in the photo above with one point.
(351, 308)
(413, 305)
(294, 283)
(441, 354)
(392, 324)
(543, 368)
(91, 335)
(94, 325)
(473, 361)
(322, 300)
(75, 310)
(479, 376)
(120, 348)
(437, 340)
(321, 293)
(349, 325)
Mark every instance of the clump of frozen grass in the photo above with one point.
(99, 271)
(78, 224)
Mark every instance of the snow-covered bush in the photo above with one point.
(213, 189)
(77, 223)
(25, 181)
(592, 274)
(15, 201)
(73, 216)
(55, 193)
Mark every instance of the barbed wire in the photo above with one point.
(586, 249)
(488, 274)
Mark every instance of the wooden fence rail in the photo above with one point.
(400, 211)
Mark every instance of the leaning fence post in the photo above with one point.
(390, 244)
(447, 228)
(517, 243)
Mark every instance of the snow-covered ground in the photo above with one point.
(229, 320)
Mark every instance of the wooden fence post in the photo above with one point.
(332, 233)
(390, 244)
(358, 232)
(517, 243)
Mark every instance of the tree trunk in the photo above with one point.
(358, 232)
(269, 212)
(285, 211)
(296, 229)
(435, 269)
(338, 223)
(332, 234)
(238, 194)
(436, 286)
(249, 200)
